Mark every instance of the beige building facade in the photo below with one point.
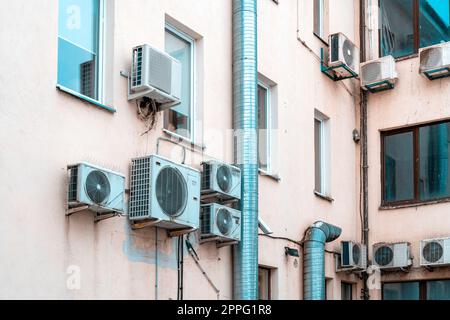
(45, 125)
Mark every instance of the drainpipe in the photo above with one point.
(245, 118)
(314, 259)
(364, 148)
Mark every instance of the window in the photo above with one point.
(264, 125)
(321, 19)
(416, 164)
(417, 290)
(80, 46)
(346, 291)
(179, 119)
(407, 25)
(321, 154)
(401, 291)
(264, 283)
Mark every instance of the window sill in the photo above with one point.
(411, 56)
(324, 197)
(269, 175)
(184, 141)
(85, 98)
(387, 207)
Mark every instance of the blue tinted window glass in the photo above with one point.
(396, 27)
(401, 291)
(398, 167)
(434, 22)
(438, 290)
(78, 39)
(434, 165)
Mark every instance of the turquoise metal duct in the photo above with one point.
(245, 114)
(314, 259)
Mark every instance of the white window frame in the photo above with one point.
(191, 40)
(268, 89)
(100, 77)
(321, 17)
(324, 154)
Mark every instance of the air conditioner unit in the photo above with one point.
(220, 223)
(343, 56)
(435, 252)
(164, 194)
(221, 180)
(379, 74)
(155, 75)
(353, 256)
(391, 256)
(99, 190)
(435, 61)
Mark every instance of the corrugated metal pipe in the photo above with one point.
(314, 259)
(245, 114)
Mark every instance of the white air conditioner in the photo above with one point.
(97, 189)
(435, 252)
(221, 180)
(435, 61)
(220, 223)
(343, 56)
(353, 256)
(155, 75)
(378, 74)
(164, 194)
(392, 256)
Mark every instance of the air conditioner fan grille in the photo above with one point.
(384, 256)
(171, 191)
(98, 187)
(432, 252)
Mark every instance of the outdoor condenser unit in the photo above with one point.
(155, 75)
(221, 180)
(379, 74)
(353, 256)
(343, 56)
(164, 193)
(435, 61)
(435, 252)
(98, 189)
(220, 223)
(392, 256)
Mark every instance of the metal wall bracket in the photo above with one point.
(437, 74)
(330, 71)
(379, 86)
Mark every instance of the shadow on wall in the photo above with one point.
(139, 246)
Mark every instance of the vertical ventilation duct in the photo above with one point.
(245, 113)
(314, 259)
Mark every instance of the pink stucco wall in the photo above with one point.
(42, 130)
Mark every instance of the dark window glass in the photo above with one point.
(396, 27)
(434, 164)
(264, 285)
(401, 291)
(318, 154)
(438, 290)
(402, 31)
(434, 22)
(346, 291)
(398, 167)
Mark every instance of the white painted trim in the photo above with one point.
(324, 153)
